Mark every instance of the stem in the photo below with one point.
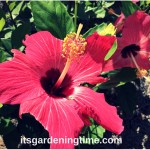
(75, 14)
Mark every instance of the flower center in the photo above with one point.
(73, 46)
(49, 80)
(131, 49)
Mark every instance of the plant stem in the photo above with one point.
(75, 14)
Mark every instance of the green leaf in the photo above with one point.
(107, 85)
(19, 34)
(123, 75)
(16, 9)
(100, 13)
(108, 3)
(97, 131)
(5, 49)
(2, 19)
(2, 23)
(97, 28)
(12, 5)
(6, 33)
(52, 16)
(2, 59)
(117, 78)
(6, 43)
(1, 105)
(129, 8)
(111, 51)
(147, 2)
(94, 131)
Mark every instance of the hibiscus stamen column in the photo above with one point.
(111, 11)
(141, 72)
(73, 46)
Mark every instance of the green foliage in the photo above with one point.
(97, 28)
(6, 44)
(52, 16)
(1, 105)
(145, 5)
(100, 13)
(117, 78)
(15, 8)
(94, 131)
(2, 57)
(2, 19)
(98, 8)
(129, 8)
(111, 51)
(18, 18)
(19, 34)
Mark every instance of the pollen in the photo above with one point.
(142, 73)
(73, 46)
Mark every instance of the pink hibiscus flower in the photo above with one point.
(134, 45)
(48, 86)
(119, 23)
(135, 1)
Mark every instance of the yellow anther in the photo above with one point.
(72, 46)
(142, 73)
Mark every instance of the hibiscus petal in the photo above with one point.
(119, 22)
(117, 61)
(89, 66)
(43, 46)
(143, 60)
(19, 80)
(94, 105)
(136, 27)
(58, 117)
